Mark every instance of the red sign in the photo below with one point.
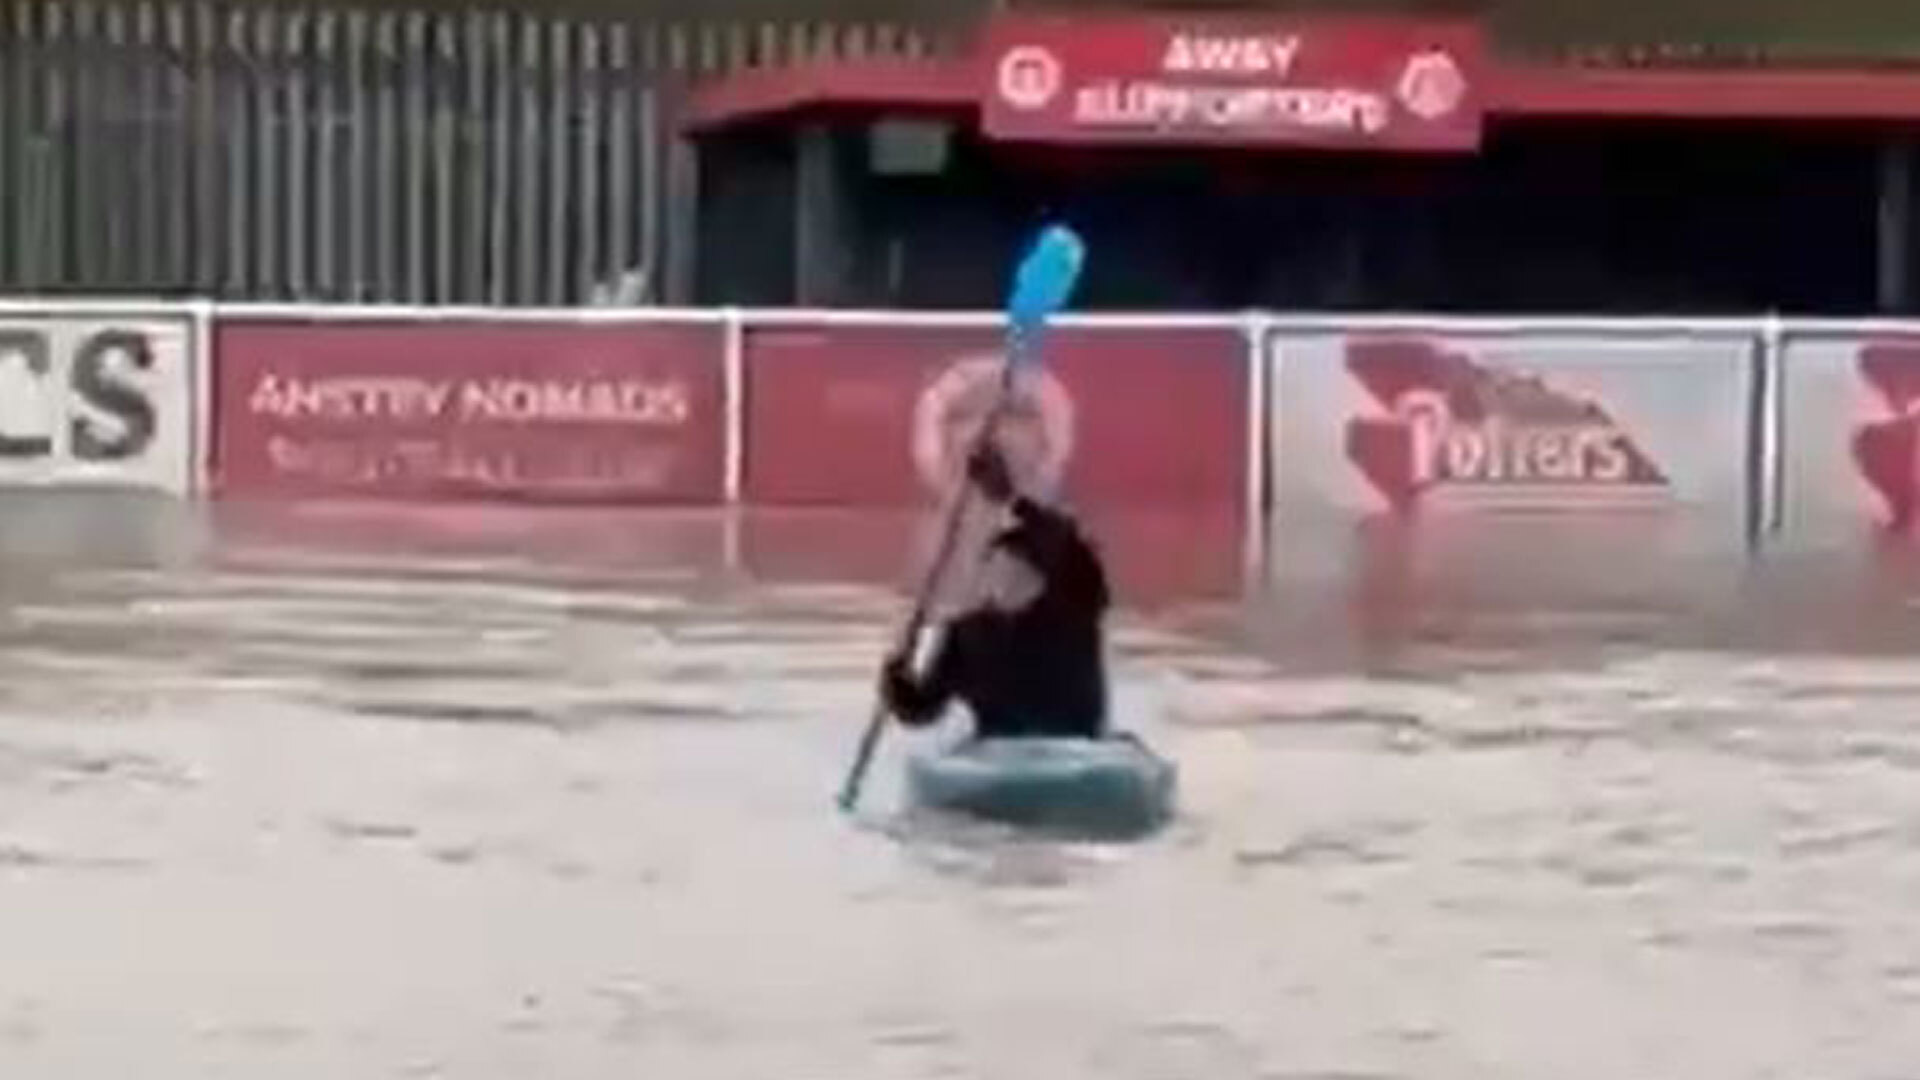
(1144, 431)
(1386, 83)
(551, 411)
(1886, 448)
(874, 415)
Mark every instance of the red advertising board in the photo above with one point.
(1419, 423)
(600, 413)
(1886, 447)
(1143, 430)
(1388, 83)
(1851, 471)
(1556, 467)
(96, 398)
(869, 415)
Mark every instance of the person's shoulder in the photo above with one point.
(1029, 510)
(970, 626)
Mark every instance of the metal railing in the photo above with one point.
(386, 155)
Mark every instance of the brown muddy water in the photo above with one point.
(346, 793)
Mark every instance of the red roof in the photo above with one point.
(893, 83)
(1883, 94)
(1513, 91)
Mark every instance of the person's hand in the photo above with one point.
(987, 468)
(896, 672)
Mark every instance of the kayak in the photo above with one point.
(1115, 785)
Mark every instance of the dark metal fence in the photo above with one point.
(361, 155)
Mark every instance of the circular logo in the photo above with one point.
(1028, 77)
(1432, 86)
(1035, 432)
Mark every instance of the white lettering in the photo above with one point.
(1557, 455)
(1246, 55)
(376, 463)
(348, 398)
(627, 401)
(1179, 54)
(1218, 54)
(1608, 452)
(1427, 420)
(434, 397)
(1496, 450)
(267, 399)
(1152, 104)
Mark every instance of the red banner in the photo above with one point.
(601, 413)
(1349, 83)
(1886, 447)
(1125, 419)
(1852, 424)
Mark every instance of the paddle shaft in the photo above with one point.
(923, 602)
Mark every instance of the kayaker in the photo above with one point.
(1028, 660)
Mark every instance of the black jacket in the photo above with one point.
(1037, 671)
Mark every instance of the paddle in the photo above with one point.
(1041, 286)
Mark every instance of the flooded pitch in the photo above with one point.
(546, 794)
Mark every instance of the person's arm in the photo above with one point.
(918, 702)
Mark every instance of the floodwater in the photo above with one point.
(354, 793)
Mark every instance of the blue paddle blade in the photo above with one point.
(1044, 282)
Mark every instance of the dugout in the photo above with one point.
(1485, 184)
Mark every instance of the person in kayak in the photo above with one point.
(1028, 660)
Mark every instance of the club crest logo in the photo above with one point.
(1036, 431)
(1028, 77)
(1432, 86)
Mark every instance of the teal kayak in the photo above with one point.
(1115, 785)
